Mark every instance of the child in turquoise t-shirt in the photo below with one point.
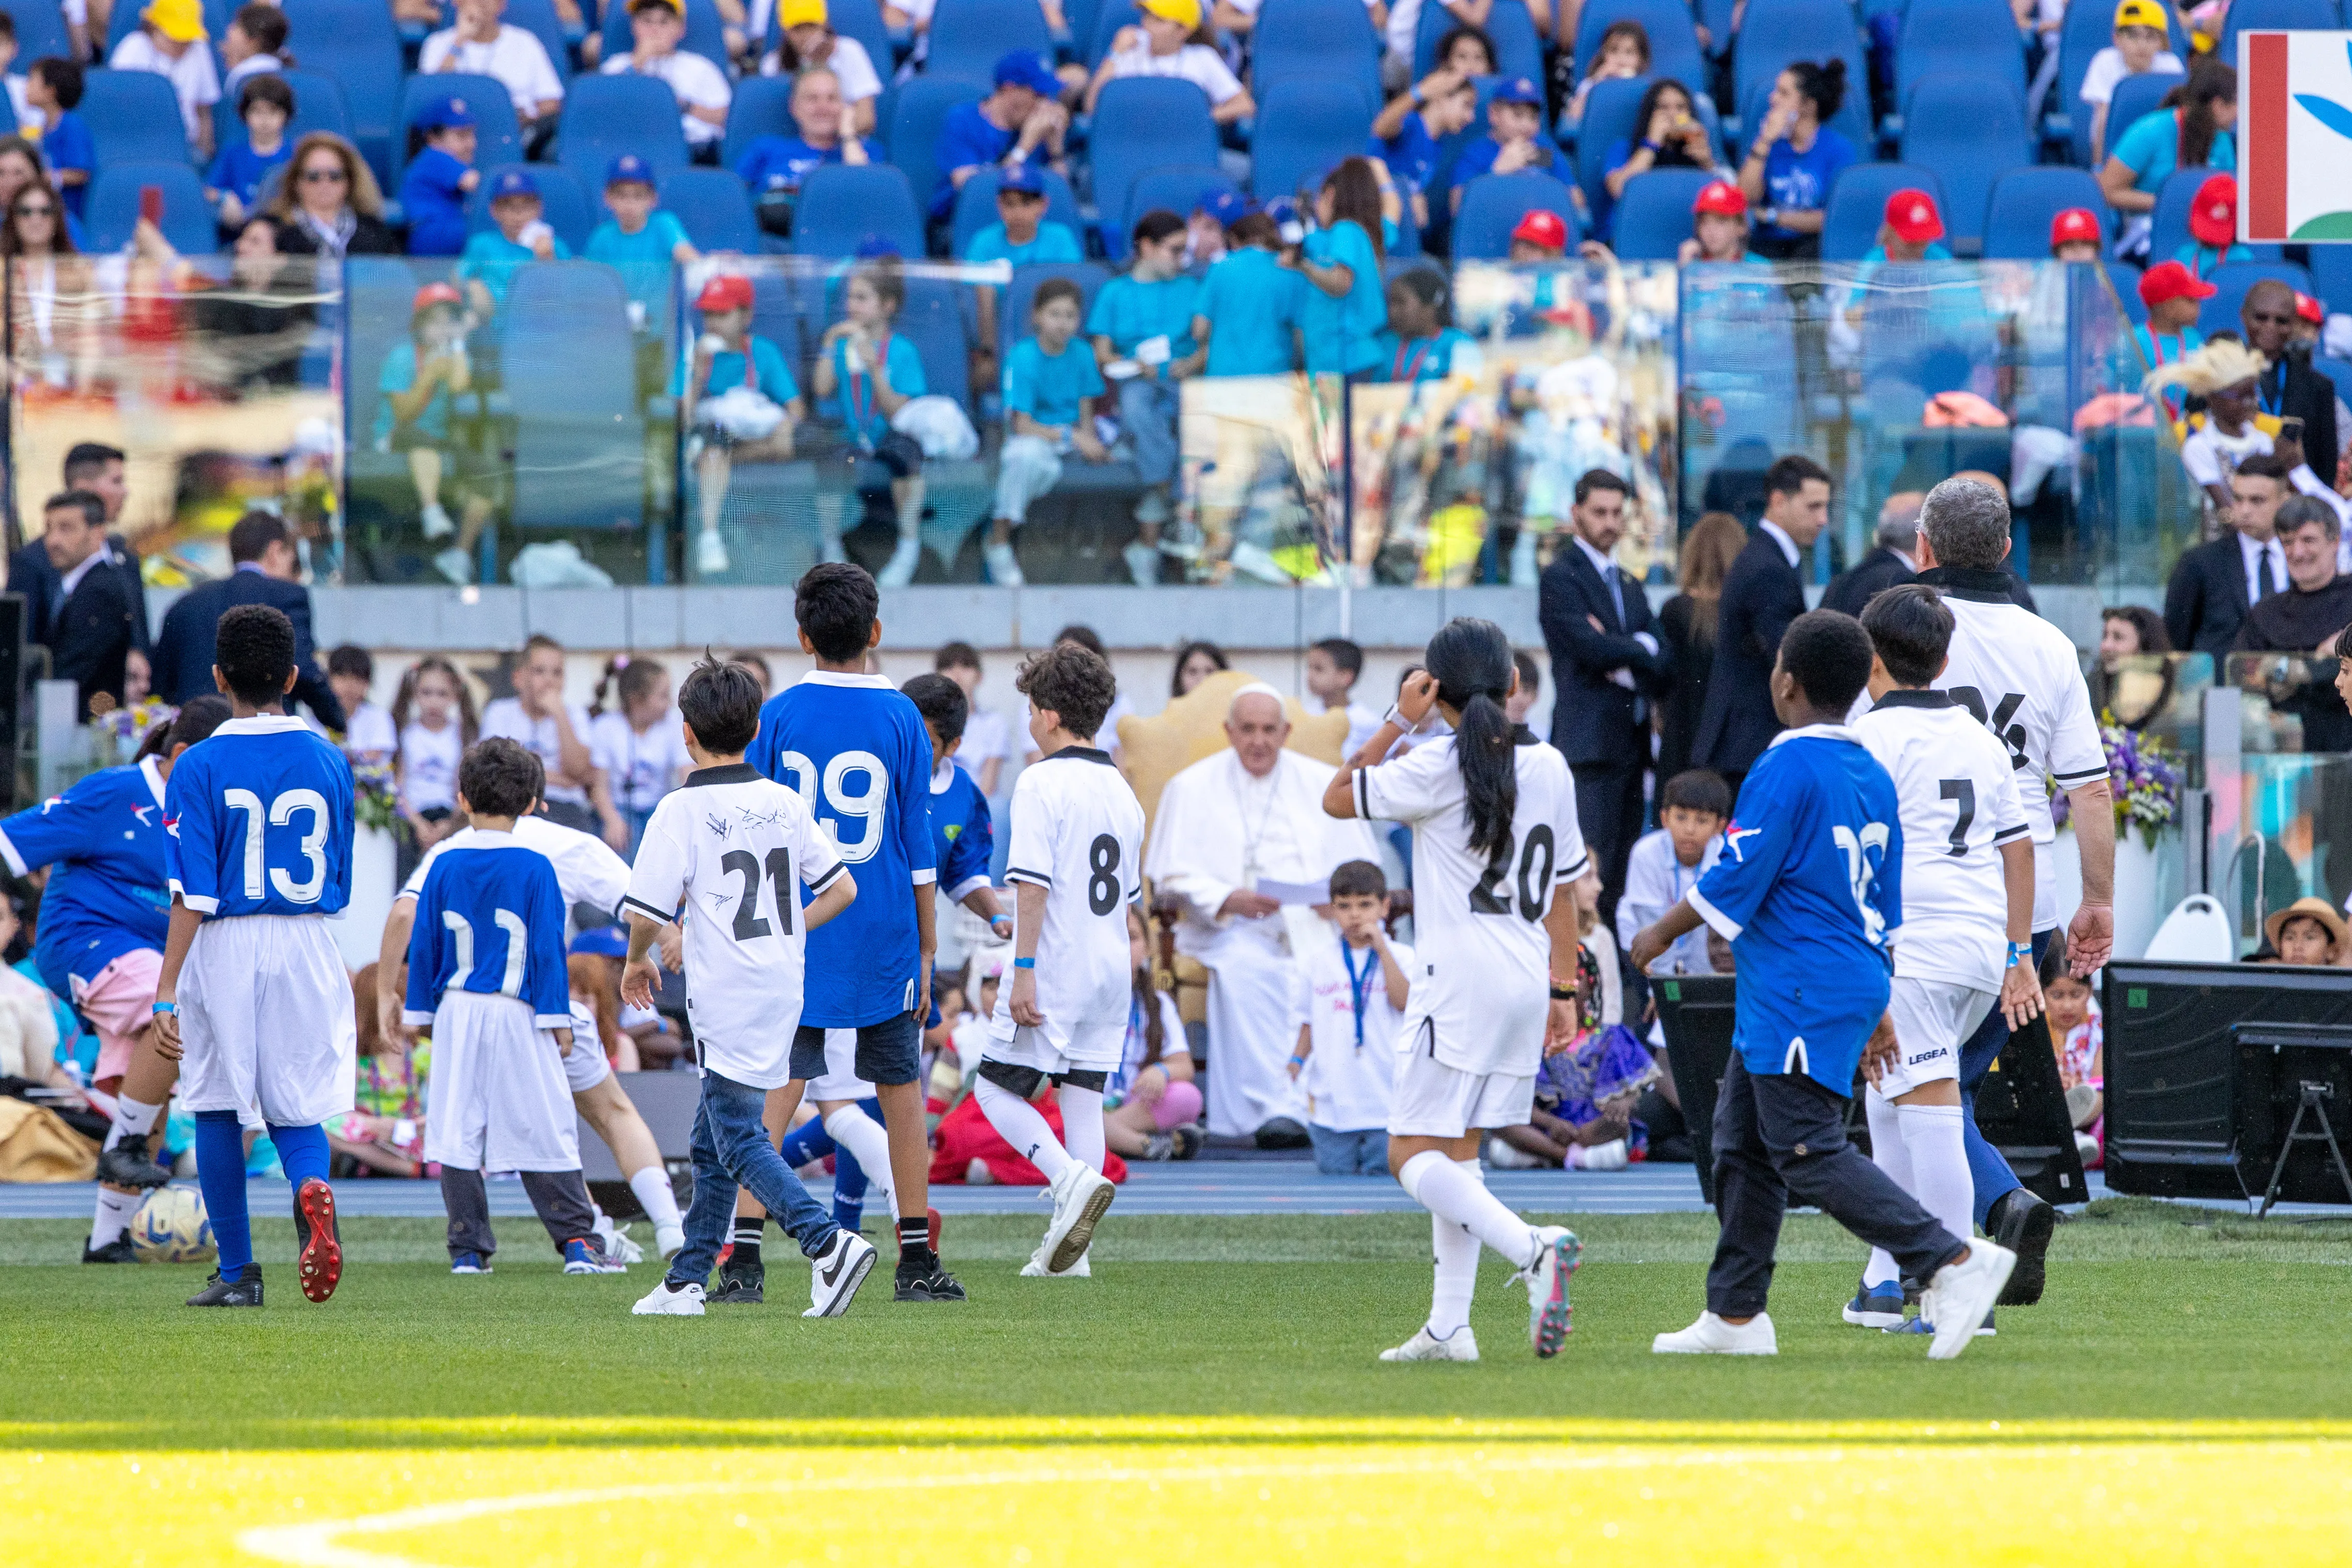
(1249, 306)
(415, 392)
(865, 374)
(744, 403)
(1143, 329)
(1052, 385)
(1345, 305)
(491, 257)
(642, 243)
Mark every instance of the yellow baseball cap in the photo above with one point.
(801, 14)
(1185, 12)
(2140, 14)
(182, 21)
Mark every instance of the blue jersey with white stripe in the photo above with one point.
(107, 894)
(490, 920)
(1809, 892)
(855, 749)
(963, 837)
(257, 821)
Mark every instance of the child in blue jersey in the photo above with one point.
(745, 402)
(857, 752)
(266, 105)
(518, 236)
(104, 913)
(53, 86)
(865, 374)
(1809, 893)
(1052, 389)
(1514, 142)
(1249, 303)
(487, 973)
(1143, 329)
(1422, 343)
(439, 179)
(252, 993)
(1407, 132)
(1022, 234)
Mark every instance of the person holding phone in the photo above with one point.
(1671, 137)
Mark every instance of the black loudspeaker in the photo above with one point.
(11, 693)
(1696, 1012)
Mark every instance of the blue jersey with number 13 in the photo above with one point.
(257, 821)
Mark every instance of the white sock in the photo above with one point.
(113, 1217)
(1024, 1126)
(656, 1196)
(854, 1130)
(1448, 1191)
(1082, 1126)
(1940, 1165)
(1890, 1154)
(132, 1118)
(1457, 1270)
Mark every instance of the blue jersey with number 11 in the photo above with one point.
(257, 821)
(855, 749)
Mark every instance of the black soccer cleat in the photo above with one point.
(117, 1251)
(129, 1164)
(242, 1292)
(921, 1279)
(2022, 1222)
(743, 1285)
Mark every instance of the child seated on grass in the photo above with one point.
(1348, 1000)
(266, 105)
(1053, 390)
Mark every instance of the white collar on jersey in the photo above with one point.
(843, 678)
(1818, 732)
(943, 777)
(148, 770)
(263, 724)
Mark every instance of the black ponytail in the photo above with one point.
(1471, 662)
(198, 718)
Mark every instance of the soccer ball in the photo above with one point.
(172, 1227)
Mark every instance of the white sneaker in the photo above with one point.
(1961, 1296)
(1142, 564)
(710, 554)
(1036, 1268)
(1548, 1309)
(1079, 1199)
(664, 1300)
(437, 525)
(1459, 1345)
(1611, 1155)
(668, 1239)
(1004, 566)
(456, 565)
(1504, 1157)
(836, 1273)
(900, 570)
(1712, 1336)
(623, 1247)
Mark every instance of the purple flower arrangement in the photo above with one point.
(2144, 777)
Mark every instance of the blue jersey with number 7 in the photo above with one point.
(257, 821)
(855, 749)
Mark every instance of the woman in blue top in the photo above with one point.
(744, 403)
(1343, 306)
(2189, 130)
(1421, 344)
(865, 374)
(1251, 301)
(1794, 160)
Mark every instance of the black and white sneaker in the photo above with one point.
(117, 1251)
(2022, 1223)
(741, 1284)
(836, 1273)
(243, 1292)
(128, 1164)
(1188, 1140)
(921, 1279)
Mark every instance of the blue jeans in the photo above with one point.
(732, 1146)
(1148, 407)
(1991, 1173)
(1362, 1151)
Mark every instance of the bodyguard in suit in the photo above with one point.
(97, 469)
(2214, 585)
(1761, 594)
(91, 611)
(1896, 559)
(262, 551)
(1606, 666)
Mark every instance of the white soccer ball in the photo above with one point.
(172, 1227)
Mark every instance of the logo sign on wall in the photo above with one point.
(2294, 137)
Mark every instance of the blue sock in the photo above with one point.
(849, 1186)
(220, 1175)
(807, 1142)
(302, 1151)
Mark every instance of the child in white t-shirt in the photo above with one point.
(367, 733)
(1349, 999)
(1172, 42)
(636, 741)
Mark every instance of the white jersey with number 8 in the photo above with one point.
(1077, 832)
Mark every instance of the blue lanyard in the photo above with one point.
(2273, 404)
(1360, 986)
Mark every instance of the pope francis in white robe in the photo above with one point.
(1250, 814)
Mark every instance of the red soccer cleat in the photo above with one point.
(320, 1265)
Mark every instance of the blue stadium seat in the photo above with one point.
(1970, 130)
(354, 42)
(538, 19)
(568, 210)
(1317, 40)
(124, 22)
(2230, 282)
(1957, 35)
(40, 30)
(938, 315)
(605, 116)
(1114, 14)
(704, 35)
(497, 135)
(134, 117)
(1143, 122)
(840, 206)
(1179, 187)
(2262, 15)
(2331, 276)
(1492, 207)
(762, 107)
(2337, 370)
(2086, 30)
(2125, 278)
(1857, 206)
(968, 36)
(2017, 223)
(1715, 15)
(1609, 113)
(571, 379)
(2169, 229)
(1011, 321)
(112, 210)
(715, 209)
(975, 207)
(1517, 52)
(1776, 34)
(914, 127)
(1673, 41)
(2134, 95)
(1305, 127)
(318, 106)
(1653, 216)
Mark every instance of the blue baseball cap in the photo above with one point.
(444, 114)
(1026, 68)
(606, 941)
(1229, 207)
(514, 183)
(1024, 177)
(1520, 89)
(628, 169)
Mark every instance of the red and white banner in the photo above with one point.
(2294, 137)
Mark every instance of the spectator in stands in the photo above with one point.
(1910, 229)
(517, 236)
(642, 244)
(253, 45)
(2190, 129)
(96, 612)
(1195, 662)
(1174, 41)
(1142, 329)
(247, 332)
(170, 44)
(2213, 229)
(2127, 631)
(433, 716)
(2305, 619)
(1538, 239)
(774, 166)
(52, 88)
(745, 404)
(368, 732)
(1623, 54)
(1249, 302)
(1468, 51)
(415, 392)
(2139, 49)
(1022, 234)
(1470, 16)
(987, 734)
(329, 205)
(655, 29)
(2173, 296)
(2214, 584)
(1422, 343)
(1794, 159)
(482, 44)
(1894, 559)
(1719, 226)
(555, 731)
(266, 105)
(265, 570)
(1020, 117)
(810, 41)
(2075, 235)
(2288, 386)
(20, 166)
(14, 80)
(1406, 133)
(636, 738)
(866, 373)
(1052, 389)
(55, 335)
(1344, 306)
(440, 178)
(2234, 425)
(1672, 137)
(1514, 141)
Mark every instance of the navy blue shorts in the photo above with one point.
(889, 1054)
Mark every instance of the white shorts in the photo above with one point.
(1932, 1020)
(586, 1067)
(1094, 1048)
(498, 1101)
(840, 1081)
(265, 1020)
(1431, 1100)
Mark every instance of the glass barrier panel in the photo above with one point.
(2159, 696)
(2289, 702)
(2285, 841)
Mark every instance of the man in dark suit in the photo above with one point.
(262, 551)
(2289, 387)
(97, 471)
(2215, 584)
(92, 608)
(1762, 594)
(1606, 665)
(1896, 559)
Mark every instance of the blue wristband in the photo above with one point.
(1024, 963)
(165, 1007)
(2018, 950)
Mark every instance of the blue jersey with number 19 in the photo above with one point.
(855, 748)
(257, 821)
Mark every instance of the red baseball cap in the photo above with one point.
(2214, 218)
(434, 294)
(2170, 280)
(1542, 226)
(1722, 197)
(2309, 309)
(725, 291)
(2075, 223)
(1912, 216)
